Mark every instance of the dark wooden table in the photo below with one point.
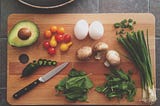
(79, 6)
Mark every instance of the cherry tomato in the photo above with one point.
(53, 42)
(67, 38)
(47, 34)
(60, 30)
(51, 50)
(53, 29)
(46, 44)
(59, 38)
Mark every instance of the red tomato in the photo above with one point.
(46, 44)
(47, 34)
(67, 38)
(51, 50)
(60, 30)
(59, 38)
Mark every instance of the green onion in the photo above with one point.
(138, 49)
(123, 25)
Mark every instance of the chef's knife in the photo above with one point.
(42, 79)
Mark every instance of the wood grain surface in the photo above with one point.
(44, 94)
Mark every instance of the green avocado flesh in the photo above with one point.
(13, 38)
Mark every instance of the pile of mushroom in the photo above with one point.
(100, 49)
(112, 56)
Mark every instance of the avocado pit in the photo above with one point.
(24, 33)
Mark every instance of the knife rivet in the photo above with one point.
(35, 82)
(25, 89)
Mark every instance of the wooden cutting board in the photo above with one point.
(44, 94)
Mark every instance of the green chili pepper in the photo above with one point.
(32, 67)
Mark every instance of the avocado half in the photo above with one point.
(15, 40)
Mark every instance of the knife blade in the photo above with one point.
(42, 79)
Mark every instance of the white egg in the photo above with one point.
(81, 29)
(96, 30)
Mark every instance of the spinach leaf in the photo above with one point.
(75, 73)
(88, 83)
(75, 82)
(74, 93)
(76, 86)
(61, 85)
(83, 98)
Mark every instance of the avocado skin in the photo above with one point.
(15, 41)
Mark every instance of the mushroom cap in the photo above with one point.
(112, 52)
(84, 53)
(113, 57)
(100, 46)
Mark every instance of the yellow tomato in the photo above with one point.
(60, 30)
(65, 46)
(53, 42)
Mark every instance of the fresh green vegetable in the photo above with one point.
(76, 86)
(138, 49)
(24, 33)
(118, 85)
(32, 67)
(124, 24)
(117, 25)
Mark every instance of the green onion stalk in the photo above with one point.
(139, 53)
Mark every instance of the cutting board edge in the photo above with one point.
(16, 14)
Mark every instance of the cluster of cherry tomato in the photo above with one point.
(56, 35)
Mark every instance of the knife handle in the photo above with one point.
(26, 89)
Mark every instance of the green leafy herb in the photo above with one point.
(130, 20)
(117, 25)
(118, 85)
(74, 73)
(76, 86)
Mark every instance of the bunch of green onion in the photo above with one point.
(138, 49)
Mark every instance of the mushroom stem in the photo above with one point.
(99, 49)
(106, 63)
(98, 55)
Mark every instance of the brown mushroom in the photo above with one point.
(99, 49)
(84, 53)
(113, 58)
